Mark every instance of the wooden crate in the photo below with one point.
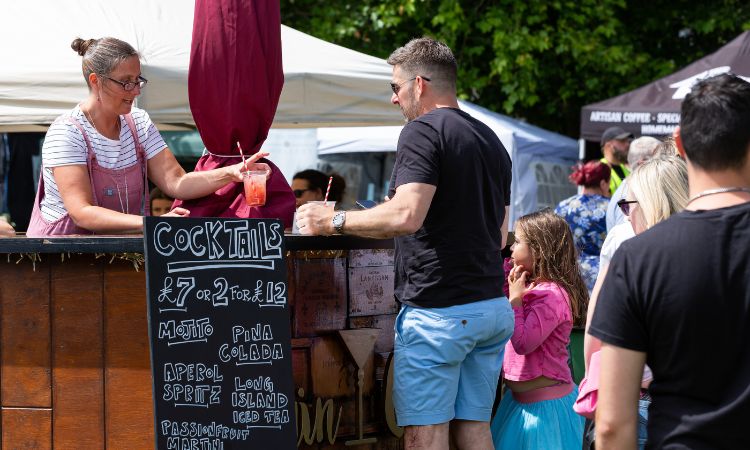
(320, 296)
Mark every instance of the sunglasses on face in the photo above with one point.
(298, 192)
(395, 87)
(624, 205)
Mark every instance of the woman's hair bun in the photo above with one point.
(590, 173)
(81, 46)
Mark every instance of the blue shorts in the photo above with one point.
(447, 361)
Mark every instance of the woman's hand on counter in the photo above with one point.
(6, 229)
(177, 212)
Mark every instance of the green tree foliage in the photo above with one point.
(536, 59)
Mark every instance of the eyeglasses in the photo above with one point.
(395, 87)
(129, 85)
(298, 192)
(625, 205)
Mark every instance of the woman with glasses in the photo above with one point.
(311, 185)
(97, 158)
(656, 189)
(586, 214)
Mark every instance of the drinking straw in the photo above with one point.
(325, 200)
(244, 164)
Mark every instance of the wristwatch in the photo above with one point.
(338, 221)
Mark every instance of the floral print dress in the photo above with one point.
(587, 217)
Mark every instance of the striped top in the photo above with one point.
(64, 146)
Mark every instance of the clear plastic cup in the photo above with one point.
(255, 187)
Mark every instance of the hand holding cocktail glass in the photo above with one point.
(253, 175)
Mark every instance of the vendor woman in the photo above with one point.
(97, 158)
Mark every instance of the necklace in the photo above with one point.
(93, 124)
(89, 118)
(718, 191)
(124, 206)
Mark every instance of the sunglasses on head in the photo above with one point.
(624, 205)
(298, 192)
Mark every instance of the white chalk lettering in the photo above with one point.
(191, 372)
(201, 395)
(189, 330)
(245, 354)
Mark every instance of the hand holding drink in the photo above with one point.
(254, 177)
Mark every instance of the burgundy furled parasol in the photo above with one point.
(234, 85)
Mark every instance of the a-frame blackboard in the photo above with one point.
(220, 334)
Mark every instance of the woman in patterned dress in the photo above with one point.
(586, 214)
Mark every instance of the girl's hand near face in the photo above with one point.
(517, 286)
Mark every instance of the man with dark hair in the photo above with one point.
(449, 194)
(677, 296)
(615, 146)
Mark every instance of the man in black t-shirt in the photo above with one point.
(678, 296)
(449, 194)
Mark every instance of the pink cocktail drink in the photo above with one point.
(255, 187)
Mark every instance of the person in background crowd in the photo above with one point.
(311, 185)
(585, 214)
(97, 158)
(677, 295)
(547, 295)
(161, 203)
(615, 144)
(448, 210)
(641, 150)
(657, 189)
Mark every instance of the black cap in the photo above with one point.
(615, 133)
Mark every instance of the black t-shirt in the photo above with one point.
(680, 292)
(454, 258)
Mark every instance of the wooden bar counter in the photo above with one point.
(74, 348)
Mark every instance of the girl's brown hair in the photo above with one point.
(551, 243)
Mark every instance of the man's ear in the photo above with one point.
(678, 142)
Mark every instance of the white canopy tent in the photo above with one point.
(40, 77)
(325, 85)
(541, 158)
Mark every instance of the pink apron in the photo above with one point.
(124, 190)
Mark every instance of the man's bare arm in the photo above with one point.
(403, 214)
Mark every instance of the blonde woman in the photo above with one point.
(656, 189)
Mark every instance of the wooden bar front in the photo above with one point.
(74, 351)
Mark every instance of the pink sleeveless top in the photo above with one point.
(541, 336)
(105, 187)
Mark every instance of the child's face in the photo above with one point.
(160, 206)
(522, 254)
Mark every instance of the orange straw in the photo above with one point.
(244, 163)
(325, 200)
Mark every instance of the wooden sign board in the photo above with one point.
(218, 317)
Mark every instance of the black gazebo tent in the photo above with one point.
(654, 109)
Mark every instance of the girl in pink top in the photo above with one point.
(547, 294)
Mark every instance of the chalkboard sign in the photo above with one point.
(219, 332)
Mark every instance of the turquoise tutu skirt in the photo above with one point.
(543, 425)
